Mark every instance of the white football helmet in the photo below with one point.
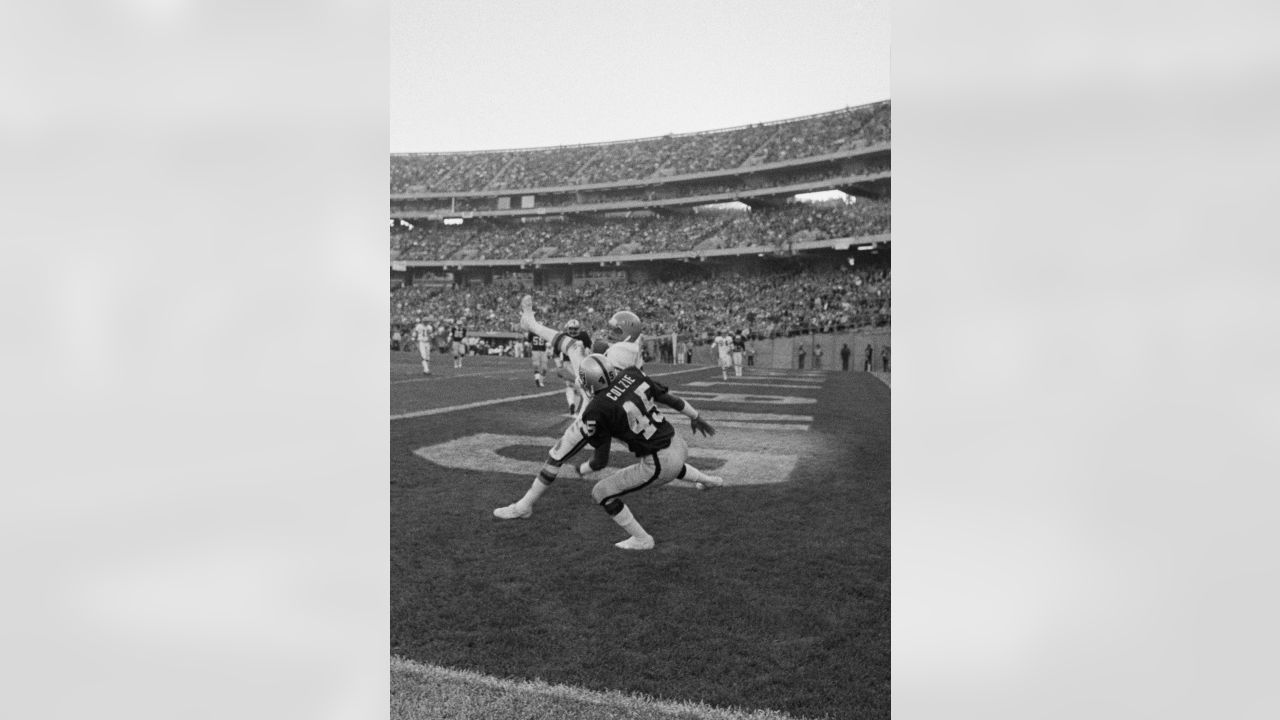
(572, 327)
(596, 372)
(624, 326)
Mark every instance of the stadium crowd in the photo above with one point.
(764, 305)
(670, 155)
(487, 239)
(659, 190)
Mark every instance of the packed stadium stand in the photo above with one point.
(698, 232)
(733, 149)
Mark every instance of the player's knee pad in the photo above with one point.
(613, 505)
(601, 493)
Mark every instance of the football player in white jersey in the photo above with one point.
(422, 333)
(624, 341)
(573, 345)
(723, 342)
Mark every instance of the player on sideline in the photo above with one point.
(538, 349)
(422, 334)
(739, 349)
(723, 343)
(456, 332)
(622, 406)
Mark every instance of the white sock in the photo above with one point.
(426, 366)
(693, 474)
(629, 523)
(533, 493)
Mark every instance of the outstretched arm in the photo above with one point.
(696, 423)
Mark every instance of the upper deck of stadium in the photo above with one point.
(790, 145)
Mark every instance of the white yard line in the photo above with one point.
(763, 417)
(709, 383)
(771, 427)
(439, 376)
(513, 398)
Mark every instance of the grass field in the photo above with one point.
(771, 593)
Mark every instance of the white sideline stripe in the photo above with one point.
(499, 401)
(798, 427)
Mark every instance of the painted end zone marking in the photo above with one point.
(771, 422)
(749, 399)
(763, 417)
(790, 386)
(499, 401)
(479, 452)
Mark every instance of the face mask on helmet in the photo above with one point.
(624, 325)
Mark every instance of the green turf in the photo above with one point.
(762, 597)
(421, 691)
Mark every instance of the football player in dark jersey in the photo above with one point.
(623, 406)
(538, 349)
(456, 332)
(739, 350)
(563, 347)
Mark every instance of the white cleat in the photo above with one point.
(711, 481)
(635, 543)
(513, 512)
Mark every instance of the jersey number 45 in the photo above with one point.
(643, 422)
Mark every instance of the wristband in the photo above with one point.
(689, 411)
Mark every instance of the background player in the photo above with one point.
(457, 331)
(573, 394)
(538, 349)
(739, 350)
(622, 406)
(723, 342)
(422, 333)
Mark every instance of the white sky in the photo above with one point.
(490, 74)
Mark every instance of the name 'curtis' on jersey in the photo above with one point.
(626, 410)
